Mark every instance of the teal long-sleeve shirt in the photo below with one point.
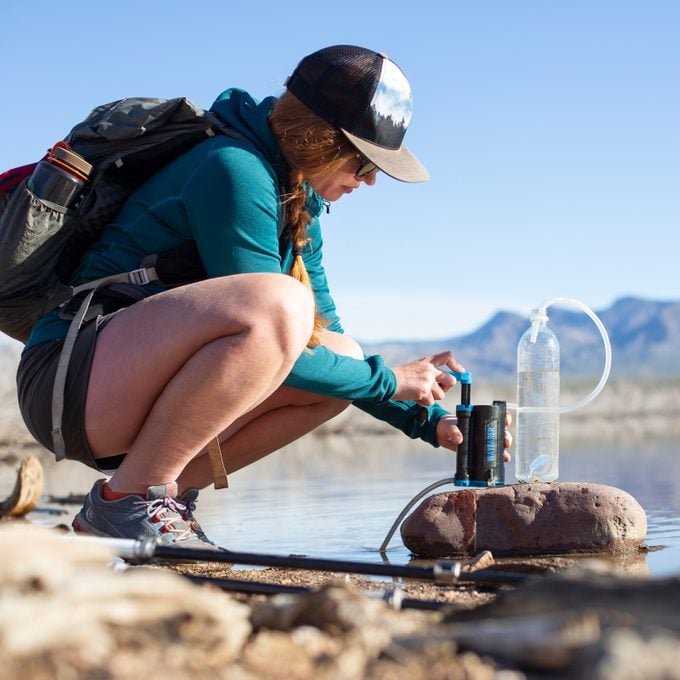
(224, 194)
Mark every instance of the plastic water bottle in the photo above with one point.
(538, 399)
(60, 177)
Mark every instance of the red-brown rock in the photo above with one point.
(526, 519)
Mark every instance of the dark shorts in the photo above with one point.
(35, 380)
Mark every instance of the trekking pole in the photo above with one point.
(393, 598)
(443, 571)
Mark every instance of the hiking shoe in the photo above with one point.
(159, 516)
(188, 500)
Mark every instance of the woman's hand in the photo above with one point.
(448, 434)
(423, 381)
(450, 437)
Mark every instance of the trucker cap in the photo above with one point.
(367, 97)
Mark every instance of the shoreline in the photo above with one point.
(625, 411)
(341, 625)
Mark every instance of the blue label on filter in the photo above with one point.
(491, 440)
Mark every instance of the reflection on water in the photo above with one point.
(339, 505)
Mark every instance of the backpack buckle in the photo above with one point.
(140, 277)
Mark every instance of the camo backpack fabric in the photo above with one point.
(41, 243)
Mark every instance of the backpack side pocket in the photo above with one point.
(32, 235)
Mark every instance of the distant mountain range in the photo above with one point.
(645, 338)
(644, 334)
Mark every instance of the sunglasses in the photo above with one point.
(365, 166)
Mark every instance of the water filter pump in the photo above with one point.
(479, 460)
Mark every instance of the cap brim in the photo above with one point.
(398, 163)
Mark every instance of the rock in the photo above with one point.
(626, 654)
(295, 658)
(526, 519)
(65, 613)
(335, 609)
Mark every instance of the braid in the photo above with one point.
(312, 147)
(297, 221)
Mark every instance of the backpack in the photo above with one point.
(41, 244)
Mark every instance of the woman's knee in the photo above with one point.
(341, 344)
(283, 310)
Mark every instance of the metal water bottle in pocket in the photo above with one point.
(61, 176)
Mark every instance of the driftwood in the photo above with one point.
(649, 603)
(483, 560)
(578, 620)
(27, 489)
(547, 643)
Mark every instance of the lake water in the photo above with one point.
(341, 504)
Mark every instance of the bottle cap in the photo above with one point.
(73, 159)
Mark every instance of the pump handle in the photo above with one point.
(463, 377)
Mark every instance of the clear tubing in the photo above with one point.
(408, 506)
(607, 358)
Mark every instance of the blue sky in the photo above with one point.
(550, 130)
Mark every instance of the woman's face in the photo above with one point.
(342, 181)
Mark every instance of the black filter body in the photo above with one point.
(479, 461)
